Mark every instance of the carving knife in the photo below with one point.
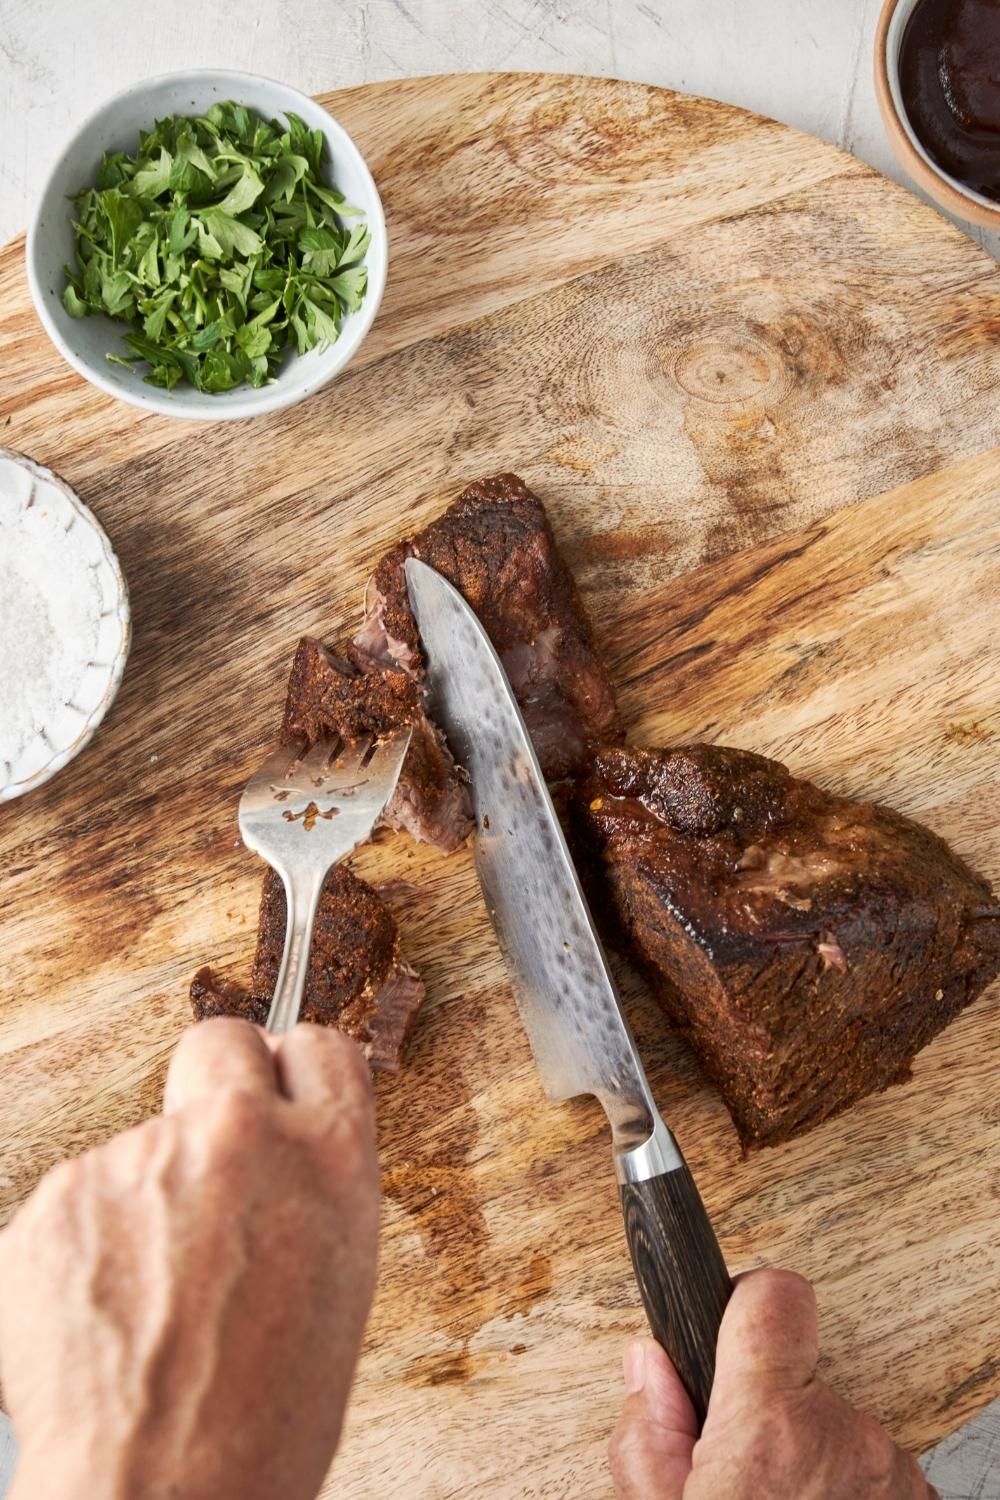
(564, 990)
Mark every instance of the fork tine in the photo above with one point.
(280, 760)
(388, 752)
(352, 753)
(297, 762)
(316, 761)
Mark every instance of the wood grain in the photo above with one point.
(756, 386)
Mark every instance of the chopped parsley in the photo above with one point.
(221, 245)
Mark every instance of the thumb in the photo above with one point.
(769, 1340)
(650, 1449)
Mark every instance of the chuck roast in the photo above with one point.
(357, 980)
(496, 546)
(806, 945)
(353, 695)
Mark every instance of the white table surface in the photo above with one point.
(808, 63)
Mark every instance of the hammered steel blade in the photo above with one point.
(565, 994)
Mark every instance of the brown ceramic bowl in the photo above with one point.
(946, 191)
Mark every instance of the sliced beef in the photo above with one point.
(806, 945)
(353, 695)
(495, 544)
(357, 980)
(214, 995)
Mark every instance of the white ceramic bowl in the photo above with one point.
(23, 484)
(86, 342)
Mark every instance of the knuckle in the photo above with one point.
(206, 1040)
(343, 1061)
(345, 1159)
(347, 1112)
(885, 1465)
(774, 1429)
(791, 1284)
(46, 1216)
(203, 1033)
(616, 1454)
(624, 1443)
(350, 1128)
(345, 1153)
(765, 1442)
(236, 1117)
(60, 1184)
(66, 1176)
(784, 1290)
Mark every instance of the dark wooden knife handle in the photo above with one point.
(681, 1274)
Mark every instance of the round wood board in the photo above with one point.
(756, 386)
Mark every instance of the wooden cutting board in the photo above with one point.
(756, 385)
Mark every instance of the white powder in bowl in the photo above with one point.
(49, 609)
(63, 619)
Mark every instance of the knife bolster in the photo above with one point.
(658, 1154)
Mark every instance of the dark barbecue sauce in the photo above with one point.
(949, 74)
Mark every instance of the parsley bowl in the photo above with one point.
(157, 292)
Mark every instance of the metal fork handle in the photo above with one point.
(302, 892)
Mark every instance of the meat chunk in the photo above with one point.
(495, 544)
(352, 695)
(806, 945)
(357, 980)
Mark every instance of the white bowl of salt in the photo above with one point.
(64, 624)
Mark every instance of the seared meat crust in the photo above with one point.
(806, 945)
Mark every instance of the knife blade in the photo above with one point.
(562, 984)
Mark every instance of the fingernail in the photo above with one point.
(634, 1367)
